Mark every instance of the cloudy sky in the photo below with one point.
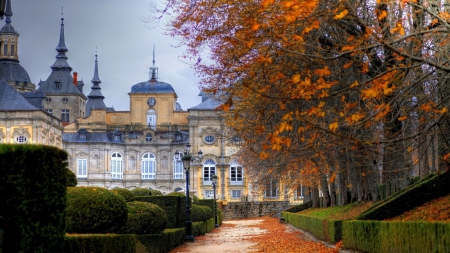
(124, 46)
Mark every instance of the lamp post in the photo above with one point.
(214, 183)
(186, 159)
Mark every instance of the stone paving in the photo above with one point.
(232, 237)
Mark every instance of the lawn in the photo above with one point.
(345, 212)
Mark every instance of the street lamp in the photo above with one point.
(214, 183)
(186, 159)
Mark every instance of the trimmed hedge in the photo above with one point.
(173, 206)
(94, 210)
(141, 192)
(33, 182)
(432, 187)
(156, 193)
(126, 194)
(163, 242)
(327, 230)
(71, 178)
(396, 237)
(198, 213)
(202, 227)
(100, 243)
(298, 208)
(144, 218)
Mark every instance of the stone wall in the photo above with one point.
(241, 210)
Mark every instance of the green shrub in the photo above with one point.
(198, 213)
(179, 194)
(209, 212)
(163, 242)
(33, 182)
(144, 218)
(207, 202)
(100, 243)
(195, 200)
(173, 206)
(156, 193)
(71, 178)
(219, 216)
(298, 208)
(126, 194)
(141, 192)
(94, 210)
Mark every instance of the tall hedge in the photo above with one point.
(141, 192)
(94, 210)
(126, 194)
(173, 206)
(33, 198)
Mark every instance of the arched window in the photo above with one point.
(209, 169)
(148, 166)
(271, 188)
(151, 118)
(236, 173)
(116, 166)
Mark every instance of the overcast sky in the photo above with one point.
(124, 46)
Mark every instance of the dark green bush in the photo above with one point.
(198, 213)
(173, 206)
(33, 182)
(71, 178)
(207, 202)
(219, 216)
(100, 243)
(141, 192)
(298, 208)
(144, 218)
(163, 242)
(126, 194)
(156, 193)
(209, 211)
(179, 194)
(94, 210)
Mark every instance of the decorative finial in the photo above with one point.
(62, 13)
(61, 48)
(153, 70)
(153, 54)
(8, 12)
(96, 80)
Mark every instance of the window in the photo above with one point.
(12, 50)
(57, 84)
(117, 137)
(209, 194)
(236, 173)
(298, 192)
(65, 115)
(65, 100)
(5, 49)
(151, 118)
(48, 100)
(209, 169)
(177, 169)
(148, 166)
(209, 139)
(21, 139)
(271, 189)
(235, 194)
(236, 140)
(148, 138)
(116, 166)
(82, 168)
(50, 111)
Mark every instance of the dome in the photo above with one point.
(11, 71)
(152, 87)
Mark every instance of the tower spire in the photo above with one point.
(61, 59)
(8, 12)
(61, 48)
(153, 69)
(96, 80)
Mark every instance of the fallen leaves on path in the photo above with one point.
(280, 239)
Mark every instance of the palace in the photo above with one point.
(128, 149)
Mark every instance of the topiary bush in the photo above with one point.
(209, 211)
(33, 181)
(198, 213)
(126, 194)
(179, 194)
(94, 210)
(144, 218)
(173, 206)
(141, 192)
(156, 193)
(71, 178)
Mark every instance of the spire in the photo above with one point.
(61, 59)
(61, 48)
(153, 69)
(8, 12)
(96, 80)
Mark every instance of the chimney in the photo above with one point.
(75, 78)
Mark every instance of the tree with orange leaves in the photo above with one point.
(355, 89)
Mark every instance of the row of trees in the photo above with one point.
(342, 96)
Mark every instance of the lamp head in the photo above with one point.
(200, 154)
(177, 156)
(186, 161)
(214, 179)
(188, 147)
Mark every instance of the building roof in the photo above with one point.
(12, 100)
(152, 86)
(12, 71)
(8, 28)
(210, 104)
